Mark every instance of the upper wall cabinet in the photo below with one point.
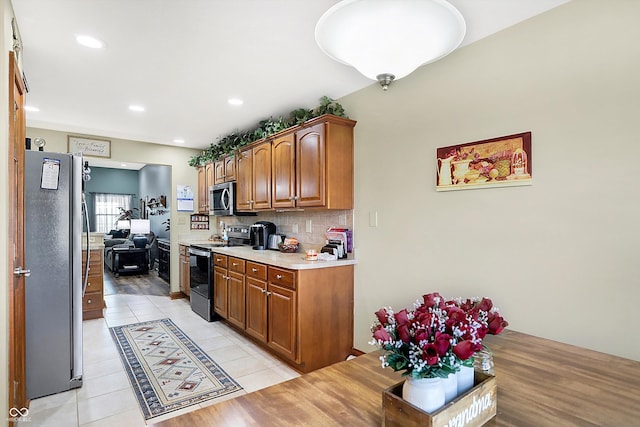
(312, 166)
(253, 188)
(205, 179)
(308, 166)
(225, 170)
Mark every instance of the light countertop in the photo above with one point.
(293, 261)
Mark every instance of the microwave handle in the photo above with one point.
(225, 194)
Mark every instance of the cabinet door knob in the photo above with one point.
(278, 276)
(88, 301)
(88, 284)
(254, 269)
(268, 293)
(235, 264)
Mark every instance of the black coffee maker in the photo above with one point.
(259, 234)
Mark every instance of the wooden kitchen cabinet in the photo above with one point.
(236, 292)
(205, 179)
(184, 271)
(93, 299)
(225, 170)
(253, 188)
(221, 285)
(283, 171)
(313, 165)
(256, 300)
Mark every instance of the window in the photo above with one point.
(107, 208)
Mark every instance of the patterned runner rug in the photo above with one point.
(166, 369)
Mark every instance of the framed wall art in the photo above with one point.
(496, 162)
(89, 146)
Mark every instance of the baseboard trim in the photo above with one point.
(177, 295)
(356, 352)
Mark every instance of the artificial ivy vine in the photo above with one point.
(229, 144)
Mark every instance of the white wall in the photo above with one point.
(560, 257)
(142, 152)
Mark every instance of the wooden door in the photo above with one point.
(256, 308)
(220, 291)
(202, 189)
(281, 323)
(229, 168)
(244, 186)
(311, 167)
(208, 172)
(236, 299)
(262, 176)
(184, 273)
(17, 359)
(218, 172)
(283, 171)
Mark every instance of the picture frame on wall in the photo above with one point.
(92, 147)
(497, 162)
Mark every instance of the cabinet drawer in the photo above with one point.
(220, 260)
(94, 285)
(92, 301)
(257, 271)
(95, 257)
(236, 264)
(279, 276)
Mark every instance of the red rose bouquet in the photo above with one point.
(437, 336)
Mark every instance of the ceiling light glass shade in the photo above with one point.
(389, 37)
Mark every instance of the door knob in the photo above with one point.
(18, 271)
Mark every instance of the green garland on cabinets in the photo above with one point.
(231, 143)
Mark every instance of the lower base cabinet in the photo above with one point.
(93, 299)
(303, 316)
(184, 271)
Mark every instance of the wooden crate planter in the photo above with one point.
(471, 409)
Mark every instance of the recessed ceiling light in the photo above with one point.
(137, 108)
(179, 141)
(235, 101)
(30, 108)
(88, 41)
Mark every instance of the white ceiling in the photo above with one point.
(182, 60)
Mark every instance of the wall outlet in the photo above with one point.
(309, 225)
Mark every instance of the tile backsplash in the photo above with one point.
(288, 222)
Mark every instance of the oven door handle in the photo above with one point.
(198, 252)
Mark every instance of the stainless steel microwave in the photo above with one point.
(222, 199)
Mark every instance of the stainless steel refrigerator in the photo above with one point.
(54, 289)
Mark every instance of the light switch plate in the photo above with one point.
(373, 219)
(294, 228)
(309, 226)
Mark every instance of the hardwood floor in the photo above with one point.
(135, 284)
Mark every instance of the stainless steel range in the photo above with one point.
(201, 270)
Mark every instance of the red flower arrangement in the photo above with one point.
(437, 336)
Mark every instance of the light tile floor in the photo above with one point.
(106, 397)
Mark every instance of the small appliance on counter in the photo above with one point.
(275, 240)
(259, 234)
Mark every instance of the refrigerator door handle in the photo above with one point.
(86, 264)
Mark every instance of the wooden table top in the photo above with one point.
(540, 383)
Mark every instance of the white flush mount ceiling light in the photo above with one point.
(136, 108)
(90, 42)
(235, 101)
(387, 40)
